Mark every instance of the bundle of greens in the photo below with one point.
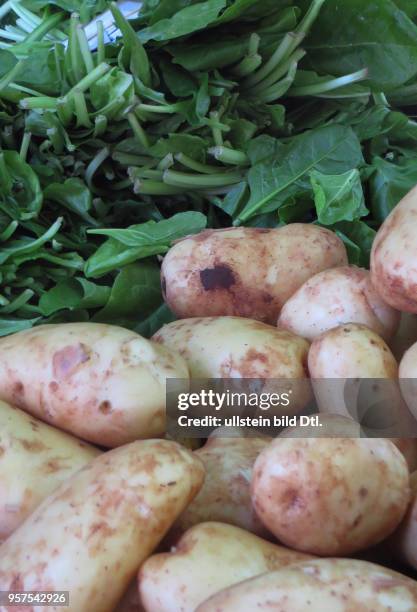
(203, 113)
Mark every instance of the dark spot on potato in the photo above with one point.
(34, 446)
(34, 425)
(105, 407)
(219, 277)
(2, 451)
(53, 386)
(163, 286)
(363, 492)
(18, 388)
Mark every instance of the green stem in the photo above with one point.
(280, 54)
(165, 109)
(216, 132)
(48, 24)
(166, 162)
(80, 109)
(128, 159)
(6, 8)
(254, 41)
(56, 139)
(24, 147)
(330, 85)
(138, 173)
(201, 181)
(101, 49)
(279, 72)
(138, 130)
(17, 303)
(94, 165)
(247, 66)
(149, 187)
(85, 49)
(229, 156)
(91, 78)
(64, 110)
(41, 102)
(309, 18)
(8, 78)
(25, 14)
(100, 125)
(380, 98)
(9, 231)
(74, 51)
(192, 164)
(279, 89)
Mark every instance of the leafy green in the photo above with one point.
(338, 197)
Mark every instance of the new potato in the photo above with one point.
(234, 347)
(335, 297)
(209, 557)
(323, 585)
(90, 536)
(393, 256)
(34, 459)
(246, 272)
(102, 383)
(225, 495)
(330, 496)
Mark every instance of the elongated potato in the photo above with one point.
(34, 459)
(225, 495)
(335, 297)
(208, 558)
(330, 496)
(90, 536)
(347, 365)
(393, 256)
(403, 542)
(246, 272)
(233, 347)
(102, 383)
(323, 585)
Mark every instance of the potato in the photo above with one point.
(403, 542)
(208, 558)
(102, 383)
(339, 361)
(225, 495)
(408, 447)
(330, 426)
(233, 347)
(330, 496)
(335, 297)
(408, 378)
(393, 256)
(323, 585)
(34, 459)
(246, 272)
(90, 536)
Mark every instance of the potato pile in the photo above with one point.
(96, 501)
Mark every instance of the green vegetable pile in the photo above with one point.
(204, 113)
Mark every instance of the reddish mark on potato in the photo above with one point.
(2, 451)
(33, 446)
(105, 407)
(363, 492)
(218, 277)
(66, 361)
(53, 386)
(18, 388)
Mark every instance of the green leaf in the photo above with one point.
(28, 246)
(72, 294)
(338, 197)
(331, 149)
(159, 317)
(209, 55)
(358, 238)
(20, 191)
(74, 195)
(9, 325)
(134, 296)
(352, 34)
(185, 21)
(389, 184)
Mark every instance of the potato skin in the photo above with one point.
(245, 272)
(393, 256)
(323, 585)
(408, 378)
(208, 558)
(90, 536)
(34, 459)
(233, 347)
(335, 297)
(102, 383)
(403, 542)
(225, 495)
(329, 496)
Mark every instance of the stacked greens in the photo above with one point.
(204, 113)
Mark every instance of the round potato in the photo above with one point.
(403, 542)
(208, 558)
(335, 297)
(348, 365)
(246, 272)
(330, 496)
(102, 383)
(323, 585)
(393, 256)
(233, 347)
(34, 459)
(91, 535)
(225, 495)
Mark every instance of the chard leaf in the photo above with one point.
(72, 294)
(20, 191)
(389, 184)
